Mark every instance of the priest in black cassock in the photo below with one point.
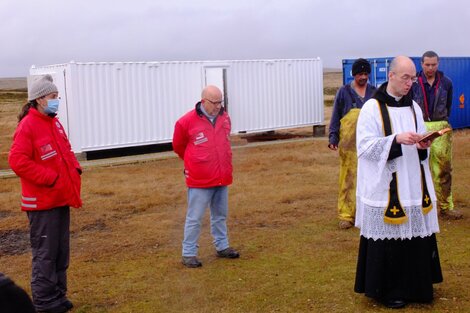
(398, 258)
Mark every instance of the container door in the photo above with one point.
(217, 76)
(380, 69)
(378, 74)
(347, 71)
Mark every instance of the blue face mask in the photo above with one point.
(52, 106)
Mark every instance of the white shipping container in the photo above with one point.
(106, 105)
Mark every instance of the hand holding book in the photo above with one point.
(433, 135)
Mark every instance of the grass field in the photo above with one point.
(126, 240)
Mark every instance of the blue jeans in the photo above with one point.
(198, 200)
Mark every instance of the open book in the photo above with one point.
(433, 135)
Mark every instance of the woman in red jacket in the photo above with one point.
(42, 157)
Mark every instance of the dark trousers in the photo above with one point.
(50, 238)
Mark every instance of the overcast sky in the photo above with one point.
(59, 31)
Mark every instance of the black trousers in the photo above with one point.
(50, 244)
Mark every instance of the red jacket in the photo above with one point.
(42, 157)
(205, 149)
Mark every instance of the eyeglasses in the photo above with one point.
(221, 102)
(407, 78)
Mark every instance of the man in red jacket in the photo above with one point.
(202, 140)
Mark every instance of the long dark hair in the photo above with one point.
(25, 109)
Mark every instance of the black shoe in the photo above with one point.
(57, 309)
(191, 261)
(229, 253)
(394, 303)
(68, 304)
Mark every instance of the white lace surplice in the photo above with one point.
(374, 174)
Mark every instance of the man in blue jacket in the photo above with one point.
(349, 99)
(433, 92)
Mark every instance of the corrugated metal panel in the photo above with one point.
(127, 104)
(456, 68)
(122, 104)
(272, 94)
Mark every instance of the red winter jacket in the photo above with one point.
(42, 157)
(205, 149)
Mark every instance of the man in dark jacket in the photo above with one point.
(349, 99)
(433, 92)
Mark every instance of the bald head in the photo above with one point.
(211, 90)
(401, 62)
(402, 74)
(211, 99)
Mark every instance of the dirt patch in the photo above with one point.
(98, 225)
(4, 214)
(14, 242)
(272, 135)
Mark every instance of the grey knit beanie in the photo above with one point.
(41, 87)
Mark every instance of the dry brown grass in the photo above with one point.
(126, 240)
(331, 82)
(10, 105)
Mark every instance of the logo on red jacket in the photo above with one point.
(200, 138)
(47, 152)
(46, 148)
